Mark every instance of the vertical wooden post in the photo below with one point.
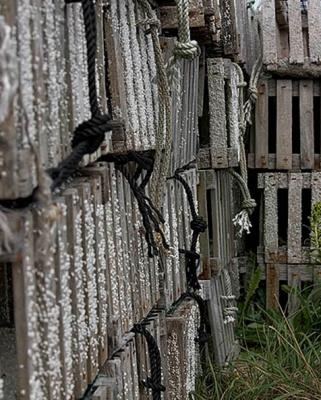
(284, 125)
(306, 124)
(262, 127)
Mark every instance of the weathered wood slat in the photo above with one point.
(284, 125)
(261, 126)
(306, 124)
(314, 18)
(295, 218)
(269, 32)
(295, 32)
(270, 212)
(218, 134)
(75, 249)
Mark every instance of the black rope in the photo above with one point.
(154, 382)
(89, 135)
(198, 226)
(152, 218)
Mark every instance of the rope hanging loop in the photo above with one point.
(154, 382)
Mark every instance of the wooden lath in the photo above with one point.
(286, 132)
(290, 37)
(222, 150)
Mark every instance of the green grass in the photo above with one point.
(280, 357)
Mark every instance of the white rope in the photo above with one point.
(242, 220)
(230, 311)
(163, 138)
(185, 48)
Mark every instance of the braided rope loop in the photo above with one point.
(242, 220)
(155, 381)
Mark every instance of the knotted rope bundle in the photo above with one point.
(89, 135)
(198, 226)
(154, 382)
(137, 168)
(242, 219)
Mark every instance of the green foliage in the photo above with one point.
(281, 354)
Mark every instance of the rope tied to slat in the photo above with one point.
(198, 226)
(89, 135)
(138, 179)
(242, 220)
(163, 138)
(154, 382)
(185, 48)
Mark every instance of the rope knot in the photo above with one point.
(188, 50)
(92, 132)
(249, 205)
(253, 93)
(198, 224)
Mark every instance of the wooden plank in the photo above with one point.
(232, 100)
(63, 273)
(306, 124)
(168, 17)
(229, 35)
(314, 19)
(75, 249)
(89, 258)
(45, 248)
(284, 125)
(294, 218)
(269, 30)
(8, 146)
(261, 126)
(115, 73)
(272, 286)
(295, 32)
(26, 316)
(218, 134)
(294, 281)
(270, 213)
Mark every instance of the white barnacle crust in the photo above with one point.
(80, 279)
(66, 307)
(102, 286)
(112, 267)
(8, 68)
(174, 366)
(121, 24)
(91, 284)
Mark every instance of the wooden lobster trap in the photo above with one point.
(287, 131)
(291, 32)
(285, 253)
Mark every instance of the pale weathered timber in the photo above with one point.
(284, 125)
(295, 32)
(181, 348)
(295, 218)
(269, 32)
(261, 127)
(306, 124)
(218, 135)
(314, 18)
